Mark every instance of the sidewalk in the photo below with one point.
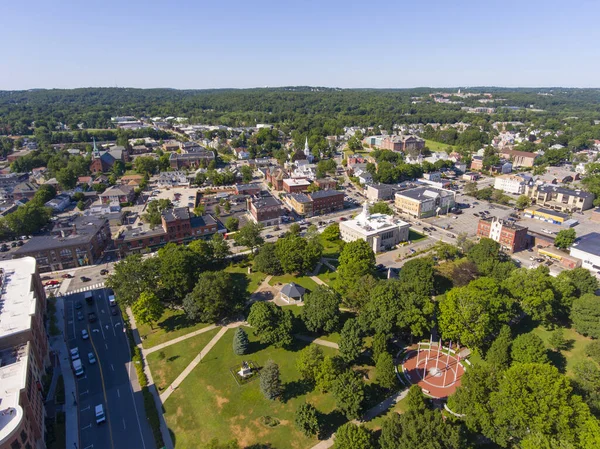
(317, 341)
(59, 346)
(178, 339)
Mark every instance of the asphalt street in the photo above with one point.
(105, 382)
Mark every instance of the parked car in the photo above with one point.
(84, 279)
(20, 243)
(67, 276)
(84, 334)
(104, 272)
(91, 358)
(100, 417)
(53, 282)
(74, 353)
(92, 317)
(79, 315)
(114, 311)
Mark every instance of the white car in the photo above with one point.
(74, 353)
(91, 358)
(99, 414)
(84, 334)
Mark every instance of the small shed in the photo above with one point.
(292, 292)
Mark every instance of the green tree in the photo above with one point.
(178, 271)
(266, 260)
(146, 165)
(381, 207)
(131, 277)
(152, 216)
(307, 419)
(416, 400)
(349, 394)
(386, 374)
(295, 229)
(313, 188)
(220, 247)
(217, 210)
(529, 348)
(28, 219)
(297, 254)
(557, 340)
(582, 279)
(351, 436)
(498, 356)
(46, 192)
(147, 309)
(351, 340)
(270, 380)
(272, 324)
(523, 202)
(417, 276)
(587, 383)
(359, 295)
(215, 296)
(585, 315)
(246, 172)
(67, 178)
(379, 344)
(249, 236)
(80, 205)
(240, 342)
(485, 250)
(309, 362)
(330, 369)
(321, 311)
(356, 259)
(534, 290)
(565, 238)
(331, 233)
(215, 444)
(592, 350)
(470, 314)
(232, 224)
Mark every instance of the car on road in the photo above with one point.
(13, 245)
(79, 315)
(91, 358)
(84, 334)
(20, 243)
(67, 276)
(3, 248)
(380, 267)
(92, 317)
(114, 311)
(78, 304)
(476, 214)
(74, 353)
(104, 272)
(78, 367)
(99, 410)
(343, 219)
(84, 279)
(268, 236)
(53, 282)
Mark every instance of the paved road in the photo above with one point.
(107, 381)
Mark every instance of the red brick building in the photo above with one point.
(266, 211)
(295, 185)
(247, 189)
(326, 183)
(325, 201)
(511, 237)
(275, 177)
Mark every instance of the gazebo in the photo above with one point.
(292, 292)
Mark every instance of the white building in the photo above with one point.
(510, 184)
(587, 248)
(382, 232)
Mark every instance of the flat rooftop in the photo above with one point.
(425, 193)
(373, 224)
(17, 302)
(13, 378)
(296, 182)
(589, 243)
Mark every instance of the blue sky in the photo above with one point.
(208, 44)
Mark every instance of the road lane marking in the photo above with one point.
(112, 444)
(86, 408)
(124, 426)
(89, 447)
(81, 378)
(89, 426)
(106, 345)
(112, 367)
(84, 392)
(118, 394)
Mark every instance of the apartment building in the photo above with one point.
(379, 192)
(519, 158)
(266, 211)
(295, 185)
(24, 355)
(423, 202)
(511, 237)
(301, 203)
(510, 184)
(561, 199)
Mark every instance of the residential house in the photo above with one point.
(24, 190)
(476, 163)
(241, 153)
(172, 179)
(59, 203)
(118, 194)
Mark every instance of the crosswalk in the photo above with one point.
(86, 288)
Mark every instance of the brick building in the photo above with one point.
(247, 189)
(178, 225)
(511, 237)
(301, 203)
(326, 183)
(295, 185)
(24, 355)
(200, 157)
(71, 243)
(118, 194)
(275, 176)
(325, 201)
(266, 211)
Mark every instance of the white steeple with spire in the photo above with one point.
(306, 149)
(95, 152)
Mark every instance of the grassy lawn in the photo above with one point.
(565, 360)
(173, 324)
(304, 281)
(415, 236)
(209, 403)
(437, 146)
(240, 274)
(176, 357)
(326, 275)
(332, 249)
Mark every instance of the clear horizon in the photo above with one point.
(389, 45)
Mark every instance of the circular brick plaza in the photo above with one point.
(436, 370)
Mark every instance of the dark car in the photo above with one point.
(92, 317)
(104, 272)
(84, 279)
(3, 248)
(20, 243)
(79, 315)
(114, 311)
(67, 276)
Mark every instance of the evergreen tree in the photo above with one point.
(386, 374)
(270, 381)
(499, 353)
(240, 342)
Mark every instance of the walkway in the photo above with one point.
(317, 341)
(178, 339)
(59, 346)
(188, 369)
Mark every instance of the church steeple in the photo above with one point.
(306, 149)
(95, 152)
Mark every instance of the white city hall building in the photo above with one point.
(382, 232)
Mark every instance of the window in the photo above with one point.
(23, 436)
(15, 445)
